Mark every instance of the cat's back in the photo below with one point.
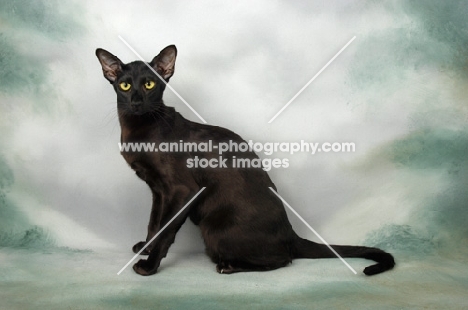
(197, 132)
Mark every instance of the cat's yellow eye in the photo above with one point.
(125, 86)
(149, 84)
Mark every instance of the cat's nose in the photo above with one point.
(136, 106)
(136, 97)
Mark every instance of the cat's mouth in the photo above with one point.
(137, 109)
(131, 111)
(140, 112)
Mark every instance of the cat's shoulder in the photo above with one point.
(205, 132)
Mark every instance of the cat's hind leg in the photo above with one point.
(225, 267)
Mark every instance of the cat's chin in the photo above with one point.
(137, 113)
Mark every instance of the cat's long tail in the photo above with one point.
(308, 249)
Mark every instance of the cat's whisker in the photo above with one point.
(110, 116)
(111, 112)
(156, 112)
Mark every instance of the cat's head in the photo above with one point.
(139, 90)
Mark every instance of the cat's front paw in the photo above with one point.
(138, 246)
(143, 268)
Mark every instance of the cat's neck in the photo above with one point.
(138, 127)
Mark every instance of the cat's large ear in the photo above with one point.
(111, 65)
(164, 63)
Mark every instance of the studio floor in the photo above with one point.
(67, 279)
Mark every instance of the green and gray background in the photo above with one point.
(70, 208)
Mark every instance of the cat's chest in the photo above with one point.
(139, 150)
(151, 167)
(144, 156)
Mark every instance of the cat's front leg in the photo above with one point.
(164, 212)
(153, 226)
(146, 267)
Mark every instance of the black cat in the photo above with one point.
(243, 224)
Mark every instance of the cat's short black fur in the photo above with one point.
(243, 224)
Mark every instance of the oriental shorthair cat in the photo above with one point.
(244, 225)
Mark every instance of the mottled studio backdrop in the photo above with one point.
(399, 92)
